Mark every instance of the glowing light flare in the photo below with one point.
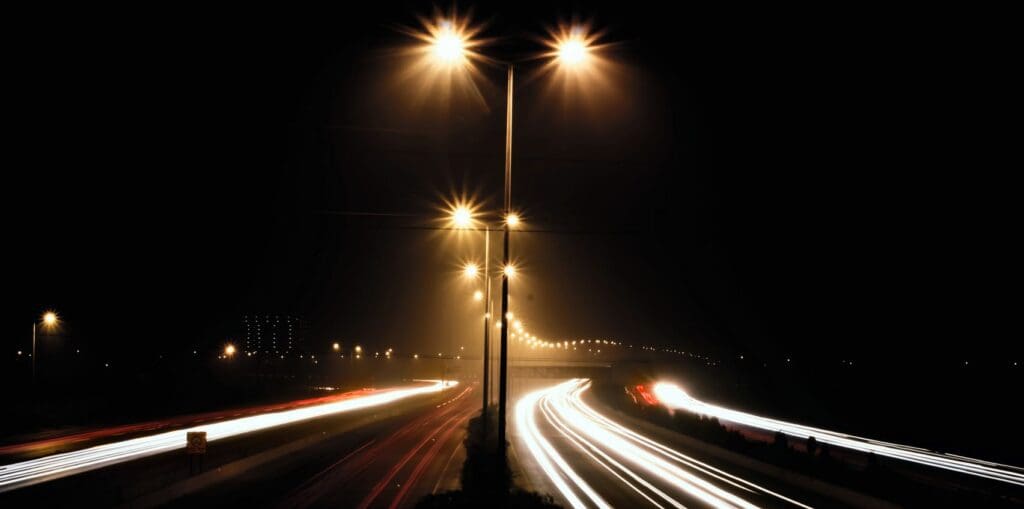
(55, 466)
(580, 73)
(509, 271)
(229, 350)
(573, 51)
(512, 220)
(573, 47)
(49, 318)
(439, 65)
(672, 396)
(448, 45)
(471, 270)
(478, 295)
(462, 217)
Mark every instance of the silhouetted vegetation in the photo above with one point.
(486, 481)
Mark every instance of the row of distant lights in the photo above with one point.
(229, 351)
(20, 353)
(521, 335)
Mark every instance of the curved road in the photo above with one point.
(585, 459)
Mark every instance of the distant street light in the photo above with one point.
(336, 346)
(512, 220)
(471, 270)
(478, 295)
(49, 321)
(229, 350)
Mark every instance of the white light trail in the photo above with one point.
(672, 396)
(637, 461)
(17, 475)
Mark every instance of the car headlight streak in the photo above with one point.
(672, 396)
(654, 471)
(55, 466)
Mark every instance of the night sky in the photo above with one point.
(822, 184)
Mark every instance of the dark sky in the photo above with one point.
(834, 183)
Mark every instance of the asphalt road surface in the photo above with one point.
(584, 455)
(387, 454)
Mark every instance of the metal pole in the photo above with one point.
(503, 368)
(487, 327)
(33, 353)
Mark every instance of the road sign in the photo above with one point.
(196, 442)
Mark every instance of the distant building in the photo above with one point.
(273, 334)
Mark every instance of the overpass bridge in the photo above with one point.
(547, 368)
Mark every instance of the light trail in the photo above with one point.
(657, 473)
(17, 475)
(672, 396)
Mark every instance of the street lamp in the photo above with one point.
(573, 50)
(448, 41)
(336, 346)
(449, 46)
(462, 217)
(49, 321)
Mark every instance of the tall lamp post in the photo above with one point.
(462, 218)
(449, 46)
(49, 321)
(503, 354)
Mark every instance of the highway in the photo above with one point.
(370, 449)
(585, 459)
(674, 397)
(395, 470)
